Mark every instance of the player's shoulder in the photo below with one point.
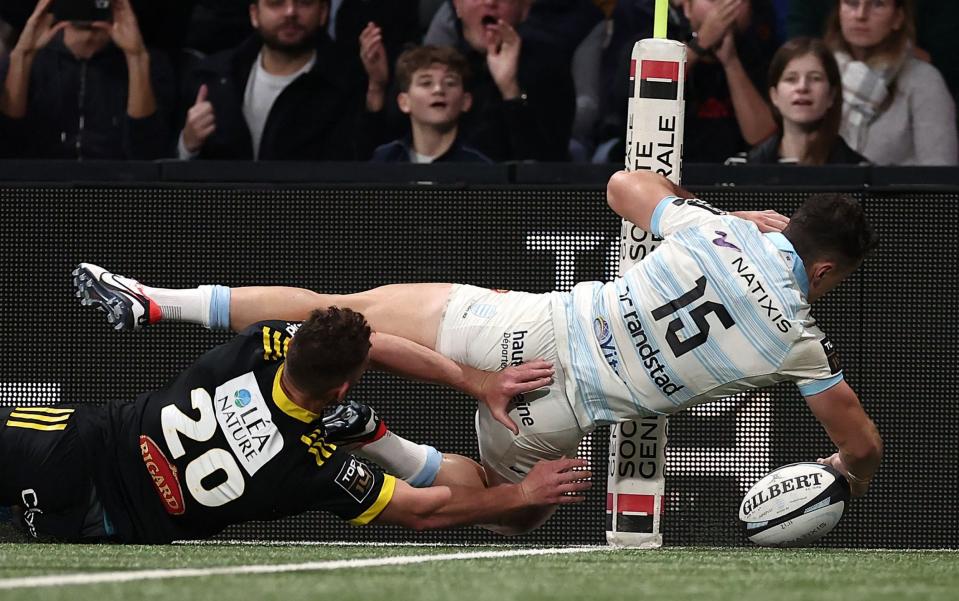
(271, 337)
(673, 214)
(284, 328)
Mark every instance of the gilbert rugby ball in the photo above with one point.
(794, 505)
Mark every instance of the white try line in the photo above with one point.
(128, 576)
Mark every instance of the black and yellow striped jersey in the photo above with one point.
(222, 444)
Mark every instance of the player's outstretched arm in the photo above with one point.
(448, 506)
(410, 360)
(634, 195)
(855, 435)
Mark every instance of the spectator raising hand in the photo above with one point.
(503, 47)
(200, 123)
(718, 24)
(125, 33)
(85, 90)
(36, 34)
(375, 63)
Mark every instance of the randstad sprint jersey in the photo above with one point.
(223, 444)
(718, 309)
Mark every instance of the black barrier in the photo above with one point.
(893, 324)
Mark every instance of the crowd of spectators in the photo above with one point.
(795, 81)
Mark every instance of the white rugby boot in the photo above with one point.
(122, 299)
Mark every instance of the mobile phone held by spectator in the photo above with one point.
(82, 11)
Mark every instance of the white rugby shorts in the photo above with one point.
(490, 330)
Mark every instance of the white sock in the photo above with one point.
(190, 305)
(417, 464)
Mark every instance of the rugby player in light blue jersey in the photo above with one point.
(721, 307)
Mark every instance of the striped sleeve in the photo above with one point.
(673, 214)
(813, 363)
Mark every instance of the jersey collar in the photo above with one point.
(799, 269)
(286, 405)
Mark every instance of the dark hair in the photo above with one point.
(828, 131)
(327, 350)
(894, 45)
(831, 226)
(422, 57)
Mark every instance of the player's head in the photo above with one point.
(479, 19)
(328, 354)
(289, 26)
(432, 82)
(871, 29)
(805, 89)
(832, 236)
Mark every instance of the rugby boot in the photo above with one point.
(122, 299)
(352, 425)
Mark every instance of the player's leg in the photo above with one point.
(411, 311)
(47, 473)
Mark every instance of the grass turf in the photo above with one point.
(741, 574)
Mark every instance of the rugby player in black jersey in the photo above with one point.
(239, 436)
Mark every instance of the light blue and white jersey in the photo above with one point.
(719, 308)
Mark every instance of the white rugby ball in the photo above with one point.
(794, 505)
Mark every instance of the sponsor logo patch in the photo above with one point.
(482, 310)
(246, 422)
(164, 475)
(242, 398)
(657, 79)
(600, 328)
(31, 508)
(832, 356)
(356, 479)
(721, 241)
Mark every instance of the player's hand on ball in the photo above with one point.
(501, 387)
(857, 486)
(550, 482)
(767, 221)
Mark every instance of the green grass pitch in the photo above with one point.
(701, 574)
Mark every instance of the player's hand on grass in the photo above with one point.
(767, 221)
(501, 387)
(549, 482)
(857, 486)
